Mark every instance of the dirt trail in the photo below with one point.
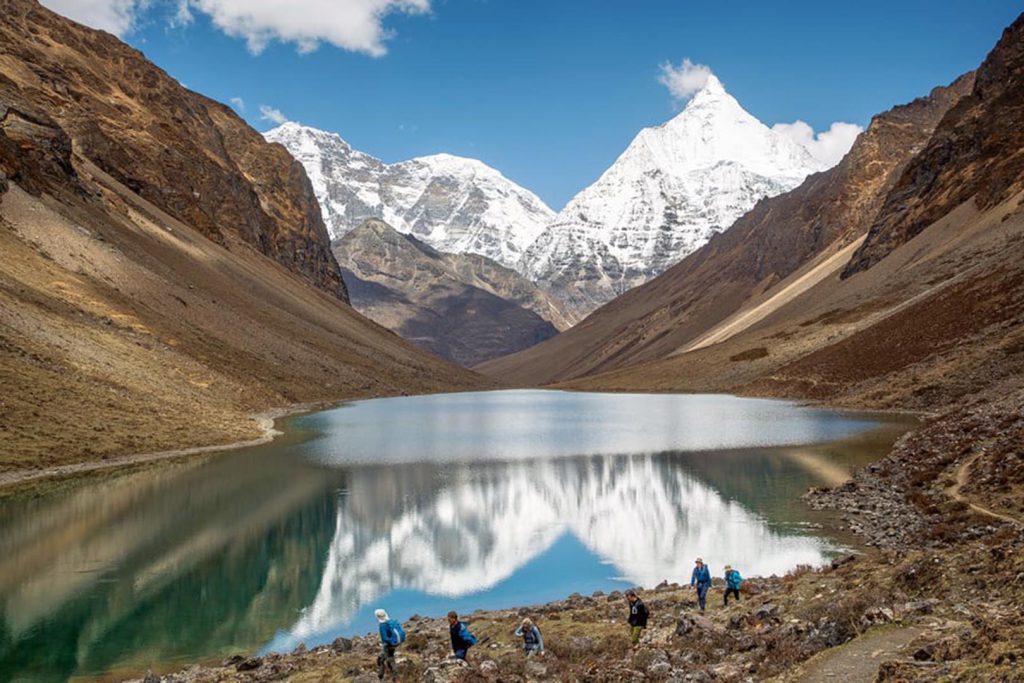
(955, 492)
(858, 660)
(742, 320)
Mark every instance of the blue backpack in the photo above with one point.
(397, 632)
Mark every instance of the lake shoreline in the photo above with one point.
(266, 422)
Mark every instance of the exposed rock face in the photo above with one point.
(454, 204)
(765, 246)
(34, 152)
(462, 307)
(189, 156)
(674, 187)
(977, 153)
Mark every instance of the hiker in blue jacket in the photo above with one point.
(701, 578)
(533, 643)
(391, 636)
(733, 581)
(462, 639)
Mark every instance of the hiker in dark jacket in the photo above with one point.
(701, 578)
(533, 643)
(637, 616)
(733, 580)
(389, 640)
(462, 639)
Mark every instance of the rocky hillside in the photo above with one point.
(674, 187)
(771, 243)
(164, 271)
(973, 155)
(465, 308)
(454, 204)
(185, 154)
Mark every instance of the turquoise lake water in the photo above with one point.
(418, 505)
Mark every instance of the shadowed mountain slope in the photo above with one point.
(463, 307)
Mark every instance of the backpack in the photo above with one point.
(397, 632)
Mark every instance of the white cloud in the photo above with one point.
(355, 25)
(685, 80)
(239, 104)
(273, 115)
(115, 16)
(828, 146)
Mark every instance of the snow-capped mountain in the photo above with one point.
(674, 187)
(454, 204)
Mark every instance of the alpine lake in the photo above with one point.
(417, 505)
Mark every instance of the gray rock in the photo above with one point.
(535, 669)
(659, 670)
(341, 645)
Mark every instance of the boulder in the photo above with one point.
(250, 664)
(341, 645)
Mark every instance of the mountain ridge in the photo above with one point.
(763, 248)
(454, 204)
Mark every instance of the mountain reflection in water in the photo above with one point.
(269, 547)
(452, 531)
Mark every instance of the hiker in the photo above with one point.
(533, 643)
(733, 580)
(637, 616)
(391, 636)
(462, 639)
(701, 578)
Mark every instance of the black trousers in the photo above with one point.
(734, 591)
(386, 661)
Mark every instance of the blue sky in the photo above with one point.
(548, 91)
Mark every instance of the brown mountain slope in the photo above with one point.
(973, 155)
(449, 304)
(829, 211)
(124, 328)
(938, 316)
(187, 155)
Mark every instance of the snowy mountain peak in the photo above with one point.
(674, 187)
(454, 204)
(712, 88)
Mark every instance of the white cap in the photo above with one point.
(381, 615)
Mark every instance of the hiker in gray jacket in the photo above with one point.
(533, 643)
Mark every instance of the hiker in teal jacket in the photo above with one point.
(733, 581)
(701, 578)
(391, 636)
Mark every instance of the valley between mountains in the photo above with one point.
(168, 275)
